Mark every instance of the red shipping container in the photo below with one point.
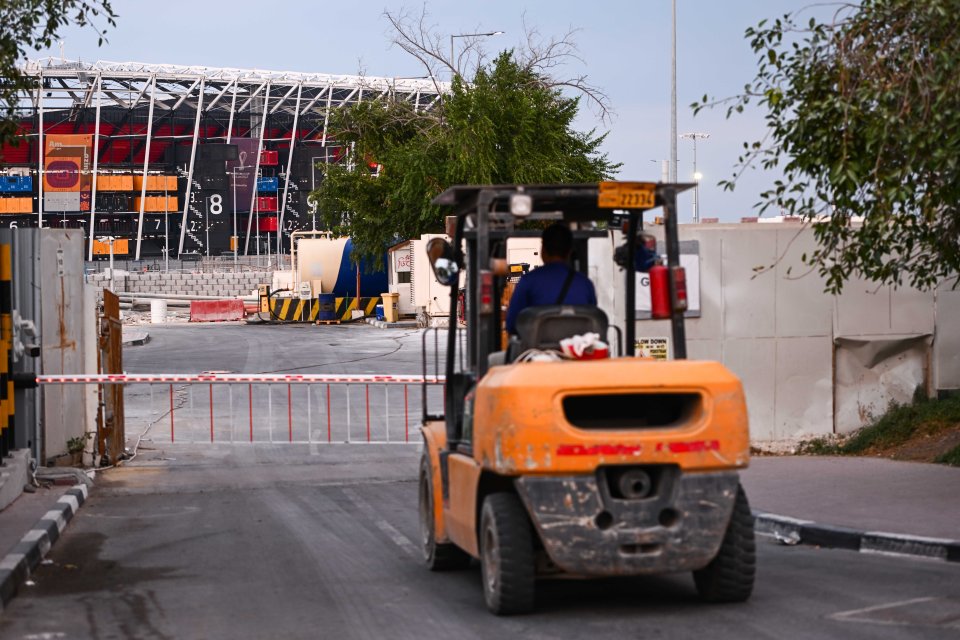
(267, 203)
(268, 224)
(269, 158)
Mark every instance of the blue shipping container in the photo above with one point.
(268, 184)
(16, 184)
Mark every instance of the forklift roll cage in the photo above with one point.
(483, 224)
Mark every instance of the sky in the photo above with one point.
(624, 46)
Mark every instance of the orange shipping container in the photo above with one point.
(5, 205)
(24, 205)
(121, 246)
(155, 204)
(114, 182)
(155, 183)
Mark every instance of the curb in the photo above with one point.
(401, 324)
(791, 531)
(136, 339)
(16, 567)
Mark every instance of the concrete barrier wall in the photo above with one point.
(203, 284)
(811, 363)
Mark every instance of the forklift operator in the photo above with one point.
(556, 282)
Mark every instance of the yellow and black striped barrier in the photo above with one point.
(295, 310)
(6, 341)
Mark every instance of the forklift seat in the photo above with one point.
(544, 327)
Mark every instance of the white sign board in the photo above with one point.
(401, 260)
(656, 348)
(306, 291)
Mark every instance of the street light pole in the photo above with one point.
(696, 174)
(166, 231)
(206, 223)
(236, 240)
(453, 65)
(673, 98)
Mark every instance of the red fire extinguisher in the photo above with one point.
(659, 293)
(660, 307)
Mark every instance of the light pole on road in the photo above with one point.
(453, 64)
(695, 135)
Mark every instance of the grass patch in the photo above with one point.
(951, 457)
(902, 422)
(822, 446)
(908, 430)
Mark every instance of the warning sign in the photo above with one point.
(656, 348)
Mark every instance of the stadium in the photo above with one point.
(163, 160)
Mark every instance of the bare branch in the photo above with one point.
(414, 33)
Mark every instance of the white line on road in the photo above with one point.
(398, 538)
(857, 615)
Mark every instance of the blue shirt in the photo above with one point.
(541, 287)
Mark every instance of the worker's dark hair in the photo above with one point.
(557, 240)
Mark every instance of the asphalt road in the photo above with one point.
(273, 542)
(319, 541)
(304, 413)
(295, 348)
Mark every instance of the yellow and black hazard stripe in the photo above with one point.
(6, 341)
(294, 310)
(345, 306)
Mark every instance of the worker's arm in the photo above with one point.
(518, 302)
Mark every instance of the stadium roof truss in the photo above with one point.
(71, 91)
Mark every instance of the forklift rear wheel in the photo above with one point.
(729, 576)
(438, 556)
(506, 555)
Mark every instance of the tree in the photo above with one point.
(863, 117)
(506, 125)
(34, 24)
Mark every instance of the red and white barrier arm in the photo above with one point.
(235, 378)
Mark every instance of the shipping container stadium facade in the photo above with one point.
(163, 159)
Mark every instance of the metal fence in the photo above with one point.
(238, 408)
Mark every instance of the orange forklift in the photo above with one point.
(617, 466)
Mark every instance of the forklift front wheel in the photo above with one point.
(729, 576)
(506, 555)
(438, 556)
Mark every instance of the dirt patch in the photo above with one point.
(926, 445)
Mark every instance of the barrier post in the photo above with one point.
(211, 412)
(6, 337)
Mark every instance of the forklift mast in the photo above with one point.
(483, 219)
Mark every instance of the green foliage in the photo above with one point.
(822, 446)
(34, 24)
(898, 425)
(902, 422)
(863, 117)
(76, 444)
(506, 126)
(951, 457)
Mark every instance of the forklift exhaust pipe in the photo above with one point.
(635, 484)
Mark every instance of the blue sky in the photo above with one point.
(625, 47)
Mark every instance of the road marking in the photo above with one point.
(398, 538)
(863, 615)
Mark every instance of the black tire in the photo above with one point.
(729, 576)
(506, 555)
(438, 556)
